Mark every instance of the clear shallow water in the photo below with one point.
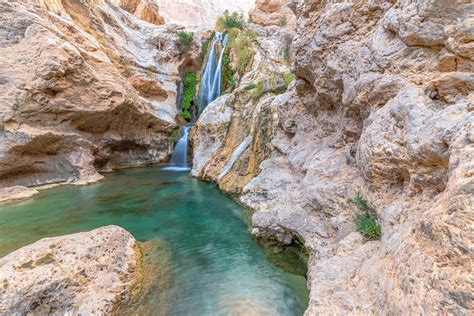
(215, 267)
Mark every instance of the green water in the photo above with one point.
(215, 267)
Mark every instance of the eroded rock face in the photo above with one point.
(273, 12)
(382, 105)
(146, 10)
(83, 88)
(85, 273)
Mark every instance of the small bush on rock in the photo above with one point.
(185, 41)
(365, 223)
(228, 21)
(368, 226)
(360, 202)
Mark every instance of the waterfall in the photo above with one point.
(179, 160)
(212, 77)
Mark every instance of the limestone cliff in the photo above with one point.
(84, 87)
(382, 105)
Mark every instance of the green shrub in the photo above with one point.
(257, 91)
(189, 88)
(227, 22)
(205, 46)
(288, 77)
(233, 34)
(185, 41)
(227, 73)
(251, 86)
(282, 21)
(360, 202)
(173, 134)
(244, 53)
(368, 226)
(186, 115)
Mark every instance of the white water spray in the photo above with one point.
(179, 160)
(212, 77)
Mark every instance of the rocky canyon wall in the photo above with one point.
(84, 87)
(200, 12)
(382, 105)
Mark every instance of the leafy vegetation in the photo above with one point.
(206, 44)
(173, 134)
(251, 86)
(186, 115)
(244, 52)
(185, 41)
(282, 21)
(368, 226)
(189, 90)
(257, 90)
(227, 73)
(229, 21)
(360, 202)
(364, 222)
(288, 77)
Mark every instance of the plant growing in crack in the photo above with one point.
(365, 223)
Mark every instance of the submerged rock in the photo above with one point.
(86, 273)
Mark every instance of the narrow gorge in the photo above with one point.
(257, 157)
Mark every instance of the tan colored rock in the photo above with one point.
(146, 10)
(382, 105)
(273, 12)
(85, 273)
(16, 193)
(85, 87)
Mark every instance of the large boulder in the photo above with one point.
(86, 273)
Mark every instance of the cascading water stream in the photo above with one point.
(212, 76)
(179, 160)
(210, 90)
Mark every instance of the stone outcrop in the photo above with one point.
(273, 12)
(146, 10)
(86, 273)
(84, 87)
(382, 105)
